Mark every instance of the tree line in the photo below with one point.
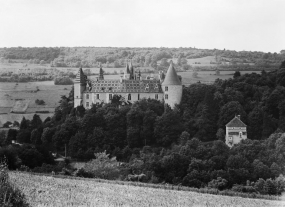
(184, 145)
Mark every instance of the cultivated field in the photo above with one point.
(21, 98)
(50, 191)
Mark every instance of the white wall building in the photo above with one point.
(130, 86)
(235, 131)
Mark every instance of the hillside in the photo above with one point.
(143, 57)
(50, 191)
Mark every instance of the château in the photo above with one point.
(130, 86)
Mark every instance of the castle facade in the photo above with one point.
(130, 86)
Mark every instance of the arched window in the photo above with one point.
(129, 97)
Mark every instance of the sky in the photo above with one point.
(251, 25)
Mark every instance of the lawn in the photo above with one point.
(50, 191)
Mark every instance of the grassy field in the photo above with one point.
(50, 191)
(10, 93)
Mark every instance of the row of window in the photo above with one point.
(129, 96)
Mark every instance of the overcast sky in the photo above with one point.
(256, 25)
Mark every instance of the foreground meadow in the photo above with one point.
(50, 191)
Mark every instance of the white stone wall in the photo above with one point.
(235, 139)
(104, 97)
(78, 89)
(174, 93)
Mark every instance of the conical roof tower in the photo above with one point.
(101, 73)
(80, 77)
(132, 70)
(127, 70)
(171, 77)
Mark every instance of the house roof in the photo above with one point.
(236, 122)
(171, 77)
(124, 86)
(80, 77)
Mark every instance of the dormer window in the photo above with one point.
(156, 86)
(146, 87)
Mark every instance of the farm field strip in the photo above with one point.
(50, 191)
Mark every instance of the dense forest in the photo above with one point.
(143, 57)
(180, 146)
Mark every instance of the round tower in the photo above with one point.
(172, 87)
(79, 87)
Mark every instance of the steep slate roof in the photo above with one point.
(171, 77)
(236, 122)
(80, 77)
(126, 86)
(127, 71)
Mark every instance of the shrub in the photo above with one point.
(218, 183)
(104, 167)
(9, 194)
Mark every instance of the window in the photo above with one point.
(98, 97)
(156, 96)
(138, 96)
(110, 96)
(240, 134)
(146, 87)
(166, 88)
(166, 96)
(87, 104)
(87, 96)
(129, 97)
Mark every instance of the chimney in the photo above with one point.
(238, 116)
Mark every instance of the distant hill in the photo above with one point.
(143, 57)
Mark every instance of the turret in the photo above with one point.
(101, 73)
(79, 87)
(172, 87)
(132, 72)
(127, 73)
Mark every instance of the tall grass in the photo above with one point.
(10, 195)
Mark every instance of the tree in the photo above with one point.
(237, 74)
(47, 135)
(218, 183)
(36, 122)
(184, 137)
(164, 62)
(36, 137)
(168, 127)
(269, 187)
(221, 134)
(24, 124)
(260, 170)
(179, 61)
(229, 111)
(255, 123)
(23, 136)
